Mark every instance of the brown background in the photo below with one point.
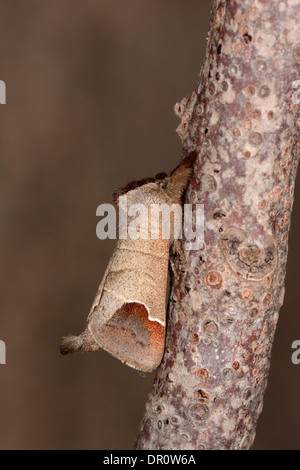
(90, 93)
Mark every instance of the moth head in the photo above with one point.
(162, 188)
(137, 186)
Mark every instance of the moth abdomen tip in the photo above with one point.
(84, 343)
(69, 345)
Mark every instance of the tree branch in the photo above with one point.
(244, 120)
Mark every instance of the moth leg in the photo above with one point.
(179, 250)
(174, 270)
(176, 250)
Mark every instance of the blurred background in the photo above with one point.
(90, 93)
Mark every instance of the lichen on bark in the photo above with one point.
(244, 121)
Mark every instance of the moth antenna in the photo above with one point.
(84, 343)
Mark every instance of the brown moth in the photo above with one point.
(128, 315)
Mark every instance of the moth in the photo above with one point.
(128, 315)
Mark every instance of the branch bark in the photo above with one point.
(244, 120)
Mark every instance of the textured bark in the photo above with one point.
(208, 392)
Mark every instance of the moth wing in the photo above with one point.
(131, 337)
(127, 318)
